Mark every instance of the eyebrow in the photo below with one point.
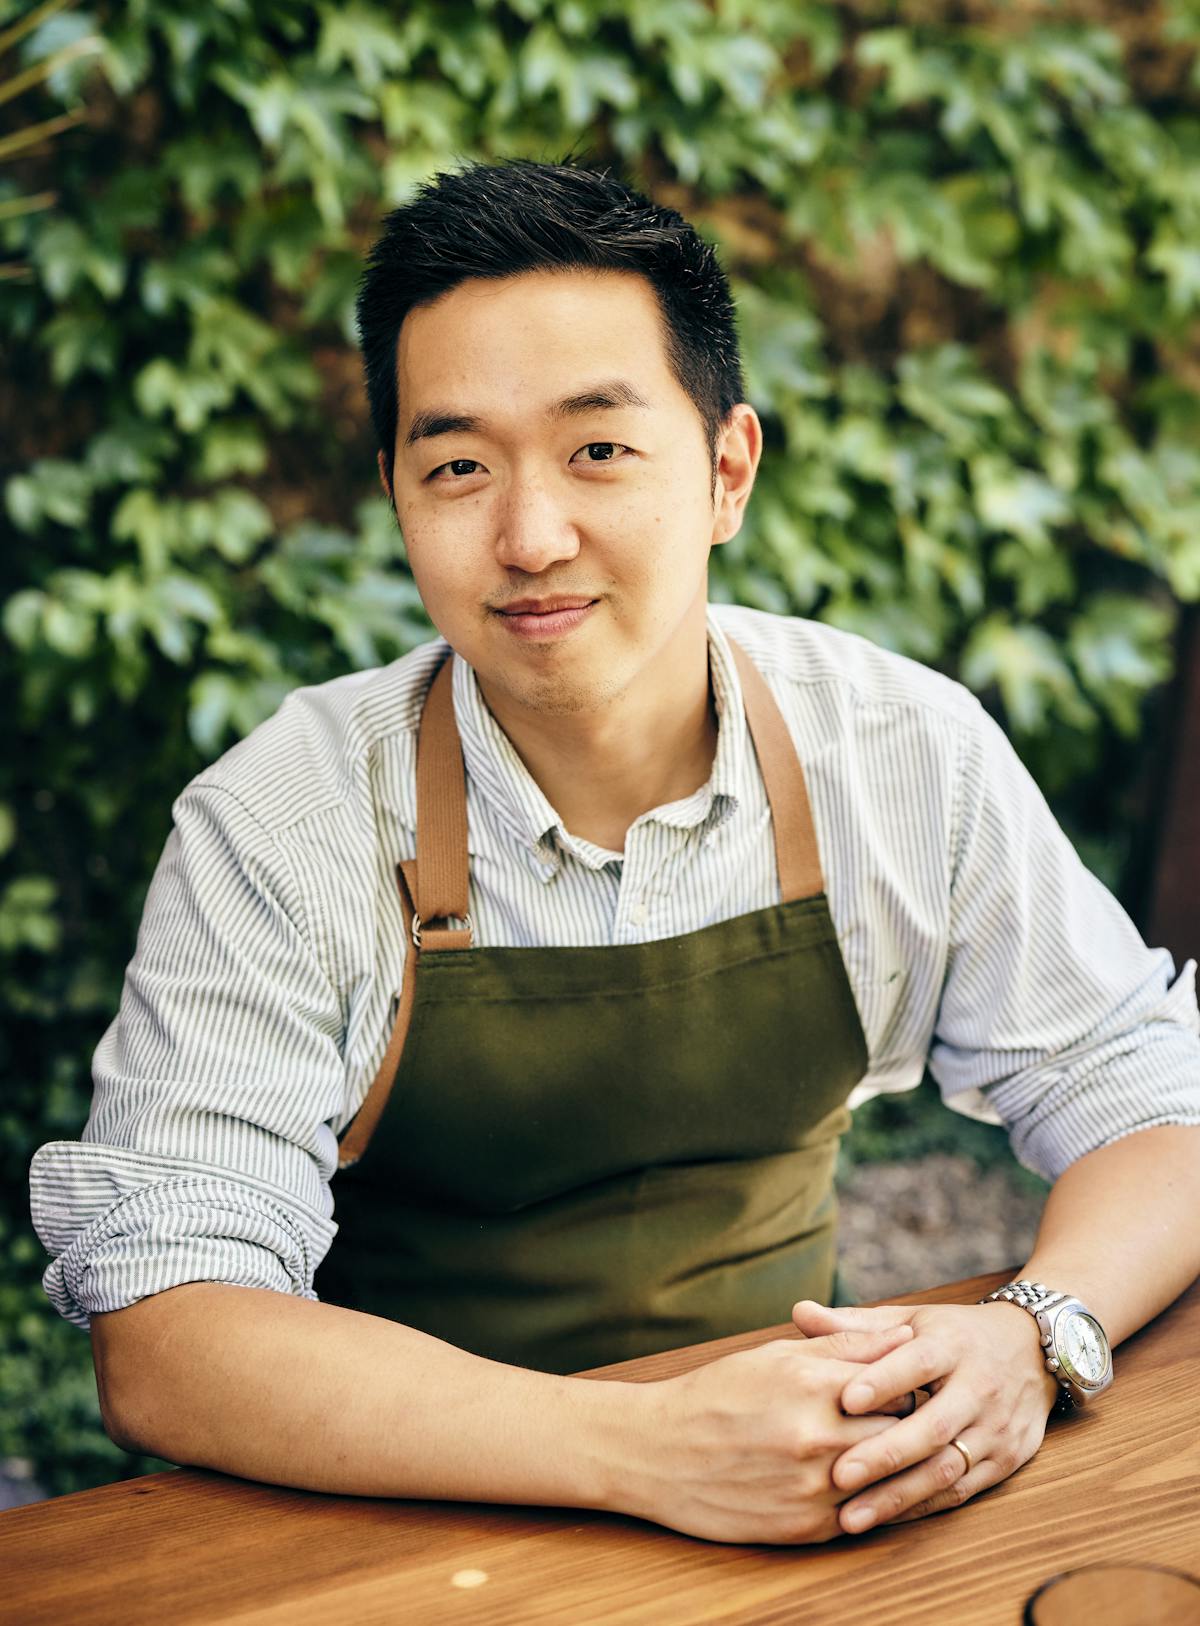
(599, 397)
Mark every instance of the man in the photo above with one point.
(531, 1047)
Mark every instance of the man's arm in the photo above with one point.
(291, 1391)
(1121, 1231)
(1057, 1017)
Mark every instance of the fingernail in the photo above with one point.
(853, 1476)
(860, 1518)
(859, 1394)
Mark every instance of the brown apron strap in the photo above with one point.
(796, 853)
(354, 1142)
(434, 887)
(442, 870)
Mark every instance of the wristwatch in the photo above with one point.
(1075, 1346)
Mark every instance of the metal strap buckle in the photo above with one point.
(416, 928)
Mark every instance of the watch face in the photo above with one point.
(1082, 1347)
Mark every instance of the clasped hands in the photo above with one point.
(982, 1368)
(804, 1440)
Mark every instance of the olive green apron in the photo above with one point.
(594, 1153)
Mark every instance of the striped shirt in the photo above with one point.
(259, 1000)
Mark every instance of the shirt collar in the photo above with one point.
(515, 798)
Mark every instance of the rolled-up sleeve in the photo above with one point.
(1055, 1019)
(208, 1150)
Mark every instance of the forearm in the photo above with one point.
(1121, 1228)
(294, 1392)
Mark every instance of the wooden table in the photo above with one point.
(1119, 1482)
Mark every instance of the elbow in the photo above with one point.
(121, 1436)
(118, 1402)
(127, 1351)
(145, 1358)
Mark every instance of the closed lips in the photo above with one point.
(546, 606)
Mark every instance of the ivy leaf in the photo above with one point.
(363, 37)
(1018, 502)
(53, 489)
(223, 703)
(129, 453)
(190, 396)
(209, 165)
(230, 446)
(27, 917)
(239, 523)
(58, 252)
(189, 280)
(945, 388)
(79, 342)
(1178, 261)
(22, 618)
(1121, 648)
(1035, 681)
(1041, 578)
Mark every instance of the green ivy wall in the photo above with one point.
(965, 241)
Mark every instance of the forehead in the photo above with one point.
(514, 344)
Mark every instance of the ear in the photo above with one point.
(738, 452)
(383, 477)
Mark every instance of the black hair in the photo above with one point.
(496, 220)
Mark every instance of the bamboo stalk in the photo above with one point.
(20, 139)
(24, 206)
(43, 69)
(30, 21)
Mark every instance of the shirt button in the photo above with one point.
(638, 915)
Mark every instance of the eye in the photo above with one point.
(460, 467)
(607, 449)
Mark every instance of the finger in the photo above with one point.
(902, 1406)
(813, 1319)
(982, 1476)
(942, 1481)
(910, 1440)
(863, 1348)
(912, 1366)
(854, 1430)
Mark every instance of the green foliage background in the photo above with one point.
(966, 245)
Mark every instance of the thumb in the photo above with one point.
(815, 1320)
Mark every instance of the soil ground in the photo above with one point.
(904, 1226)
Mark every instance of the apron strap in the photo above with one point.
(442, 867)
(435, 886)
(796, 853)
(354, 1142)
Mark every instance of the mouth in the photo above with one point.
(546, 618)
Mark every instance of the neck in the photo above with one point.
(600, 770)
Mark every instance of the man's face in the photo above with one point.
(553, 484)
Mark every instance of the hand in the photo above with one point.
(982, 1365)
(741, 1449)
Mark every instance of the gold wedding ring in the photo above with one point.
(966, 1455)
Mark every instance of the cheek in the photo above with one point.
(441, 559)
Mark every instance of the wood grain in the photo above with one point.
(1120, 1482)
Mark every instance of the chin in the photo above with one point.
(559, 694)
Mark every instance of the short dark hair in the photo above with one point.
(496, 220)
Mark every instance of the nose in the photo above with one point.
(534, 530)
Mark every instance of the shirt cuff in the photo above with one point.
(185, 1228)
(1143, 1078)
